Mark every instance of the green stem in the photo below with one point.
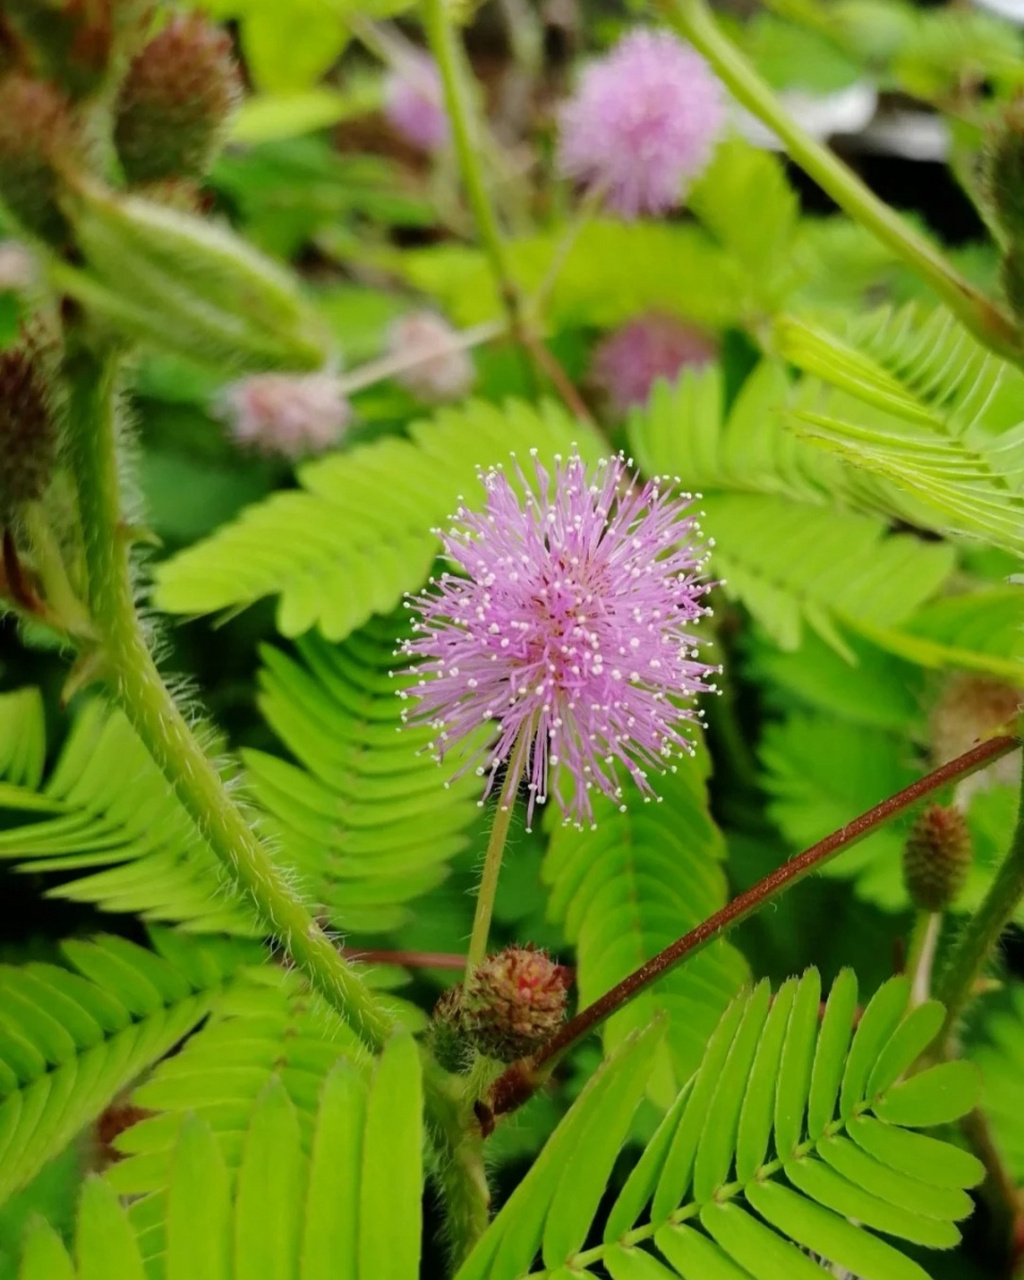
(160, 724)
(983, 931)
(458, 1148)
(489, 884)
(58, 592)
(456, 78)
(979, 314)
(924, 941)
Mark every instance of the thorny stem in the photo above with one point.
(979, 314)
(489, 883)
(521, 1080)
(158, 721)
(982, 933)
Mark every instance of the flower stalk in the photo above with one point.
(455, 76)
(992, 326)
(159, 722)
(522, 1079)
(489, 883)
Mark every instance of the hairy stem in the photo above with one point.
(459, 1161)
(983, 930)
(521, 1080)
(457, 80)
(157, 720)
(489, 883)
(979, 314)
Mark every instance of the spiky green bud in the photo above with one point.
(175, 101)
(28, 419)
(1003, 174)
(447, 1037)
(937, 857)
(37, 139)
(514, 1001)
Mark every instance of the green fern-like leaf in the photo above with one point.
(913, 398)
(786, 1135)
(779, 549)
(357, 535)
(106, 818)
(72, 1038)
(625, 891)
(370, 820)
(266, 1032)
(333, 1192)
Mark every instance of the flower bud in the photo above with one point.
(175, 101)
(629, 361)
(443, 370)
(69, 42)
(184, 284)
(513, 1002)
(1004, 173)
(28, 419)
(447, 1038)
(36, 137)
(972, 708)
(937, 857)
(294, 416)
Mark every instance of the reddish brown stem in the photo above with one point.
(521, 1080)
(560, 380)
(410, 959)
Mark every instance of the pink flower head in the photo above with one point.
(414, 103)
(280, 413)
(569, 625)
(642, 123)
(629, 361)
(443, 370)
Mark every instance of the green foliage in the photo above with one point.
(647, 874)
(106, 805)
(913, 398)
(338, 1195)
(995, 1042)
(370, 820)
(784, 1134)
(356, 536)
(71, 1038)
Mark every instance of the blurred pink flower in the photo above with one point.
(290, 415)
(414, 103)
(568, 623)
(642, 124)
(444, 370)
(628, 362)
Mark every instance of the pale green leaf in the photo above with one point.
(391, 1182)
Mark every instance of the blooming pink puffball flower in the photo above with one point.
(414, 103)
(290, 415)
(568, 622)
(642, 123)
(442, 370)
(628, 362)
